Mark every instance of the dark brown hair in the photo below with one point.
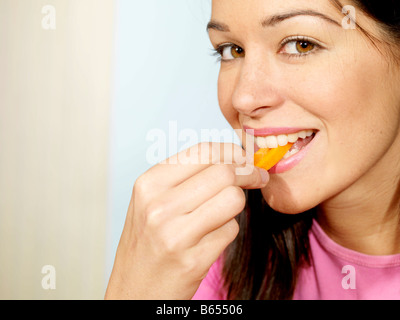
(264, 260)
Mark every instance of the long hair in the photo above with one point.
(264, 260)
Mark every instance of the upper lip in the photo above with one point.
(273, 131)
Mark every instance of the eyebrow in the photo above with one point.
(275, 19)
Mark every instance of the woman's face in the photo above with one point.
(290, 66)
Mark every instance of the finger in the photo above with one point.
(194, 192)
(251, 177)
(187, 163)
(212, 245)
(214, 213)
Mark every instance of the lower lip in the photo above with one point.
(289, 163)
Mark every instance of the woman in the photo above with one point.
(324, 222)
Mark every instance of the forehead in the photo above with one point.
(256, 11)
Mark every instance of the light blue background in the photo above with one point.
(164, 71)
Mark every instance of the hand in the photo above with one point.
(180, 219)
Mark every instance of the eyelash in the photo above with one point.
(220, 48)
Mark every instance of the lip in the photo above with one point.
(263, 132)
(289, 163)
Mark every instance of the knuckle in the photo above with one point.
(153, 215)
(141, 185)
(208, 152)
(171, 245)
(236, 197)
(190, 265)
(233, 229)
(227, 174)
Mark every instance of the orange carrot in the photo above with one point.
(267, 158)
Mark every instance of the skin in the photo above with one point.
(178, 224)
(348, 91)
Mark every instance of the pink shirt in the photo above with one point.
(335, 273)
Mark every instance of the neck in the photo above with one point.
(366, 217)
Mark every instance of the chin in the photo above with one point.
(286, 202)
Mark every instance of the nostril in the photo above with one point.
(259, 111)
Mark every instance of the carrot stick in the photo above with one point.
(267, 158)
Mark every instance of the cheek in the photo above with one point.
(359, 123)
(352, 104)
(226, 86)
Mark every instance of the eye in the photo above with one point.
(298, 46)
(304, 46)
(230, 52)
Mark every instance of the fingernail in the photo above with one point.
(264, 175)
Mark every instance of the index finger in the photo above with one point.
(208, 184)
(189, 162)
(250, 177)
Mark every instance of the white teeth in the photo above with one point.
(293, 137)
(290, 153)
(272, 142)
(261, 142)
(302, 134)
(282, 140)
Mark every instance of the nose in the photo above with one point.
(257, 88)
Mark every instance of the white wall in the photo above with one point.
(54, 136)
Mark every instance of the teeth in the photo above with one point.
(290, 153)
(261, 142)
(282, 140)
(293, 137)
(302, 134)
(272, 142)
